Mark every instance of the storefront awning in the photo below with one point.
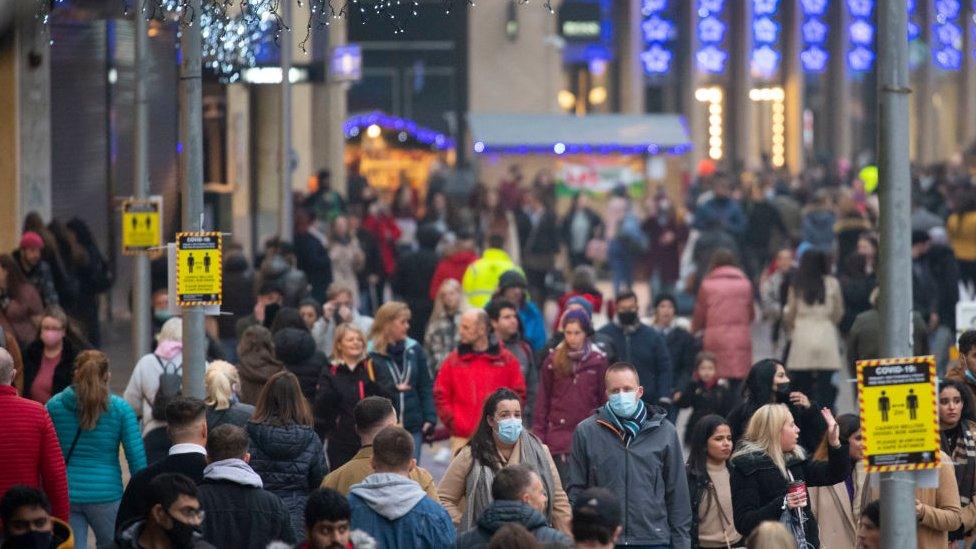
(593, 134)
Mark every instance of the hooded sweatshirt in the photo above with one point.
(240, 513)
(398, 513)
(501, 513)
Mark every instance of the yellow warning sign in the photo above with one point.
(198, 269)
(899, 416)
(141, 225)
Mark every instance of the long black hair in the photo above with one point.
(758, 386)
(968, 408)
(482, 443)
(809, 280)
(698, 446)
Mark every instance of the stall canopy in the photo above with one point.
(592, 134)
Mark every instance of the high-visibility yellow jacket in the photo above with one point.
(481, 278)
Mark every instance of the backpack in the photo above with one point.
(170, 387)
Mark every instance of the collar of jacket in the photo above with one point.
(496, 254)
(8, 390)
(754, 462)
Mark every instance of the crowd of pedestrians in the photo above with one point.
(480, 328)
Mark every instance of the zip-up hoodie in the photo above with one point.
(648, 474)
(397, 512)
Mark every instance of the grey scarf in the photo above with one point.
(477, 485)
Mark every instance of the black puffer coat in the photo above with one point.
(291, 463)
(758, 487)
(295, 348)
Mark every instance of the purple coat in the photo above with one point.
(561, 403)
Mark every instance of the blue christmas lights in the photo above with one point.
(582, 148)
(814, 31)
(659, 32)
(860, 32)
(765, 35)
(947, 35)
(355, 124)
(711, 55)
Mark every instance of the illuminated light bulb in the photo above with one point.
(373, 131)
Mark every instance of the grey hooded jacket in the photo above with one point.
(648, 475)
(396, 512)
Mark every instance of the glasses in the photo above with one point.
(193, 514)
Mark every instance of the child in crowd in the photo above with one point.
(706, 393)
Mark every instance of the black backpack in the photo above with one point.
(170, 387)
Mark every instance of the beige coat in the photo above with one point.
(360, 466)
(452, 489)
(836, 514)
(815, 341)
(941, 513)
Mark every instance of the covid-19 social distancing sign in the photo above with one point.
(899, 415)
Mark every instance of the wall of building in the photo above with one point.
(521, 75)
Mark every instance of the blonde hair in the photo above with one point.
(91, 387)
(770, 535)
(219, 383)
(439, 311)
(385, 315)
(763, 435)
(340, 332)
(172, 330)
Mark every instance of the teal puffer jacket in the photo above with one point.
(94, 472)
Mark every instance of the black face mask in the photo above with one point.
(30, 540)
(181, 534)
(782, 391)
(627, 318)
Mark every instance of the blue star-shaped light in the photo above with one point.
(948, 59)
(711, 29)
(656, 60)
(764, 7)
(657, 29)
(860, 8)
(711, 59)
(814, 31)
(913, 31)
(814, 59)
(765, 30)
(814, 7)
(862, 32)
(947, 9)
(765, 61)
(949, 34)
(860, 59)
(709, 6)
(652, 6)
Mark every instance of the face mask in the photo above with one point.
(31, 540)
(51, 337)
(509, 430)
(782, 391)
(627, 318)
(162, 316)
(181, 534)
(623, 404)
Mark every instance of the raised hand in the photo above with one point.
(833, 430)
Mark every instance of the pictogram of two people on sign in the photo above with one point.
(911, 402)
(191, 262)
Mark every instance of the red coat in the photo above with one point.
(464, 381)
(561, 403)
(386, 232)
(725, 310)
(29, 450)
(452, 266)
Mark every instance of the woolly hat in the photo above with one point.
(31, 240)
(581, 301)
(577, 315)
(512, 279)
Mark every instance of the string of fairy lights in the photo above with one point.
(233, 30)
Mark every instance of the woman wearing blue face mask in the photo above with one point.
(500, 440)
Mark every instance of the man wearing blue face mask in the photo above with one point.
(629, 448)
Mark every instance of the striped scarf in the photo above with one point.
(964, 458)
(629, 426)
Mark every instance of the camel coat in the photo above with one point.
(815, 340)
(941, 514)
(836, 514)
(453, 498)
